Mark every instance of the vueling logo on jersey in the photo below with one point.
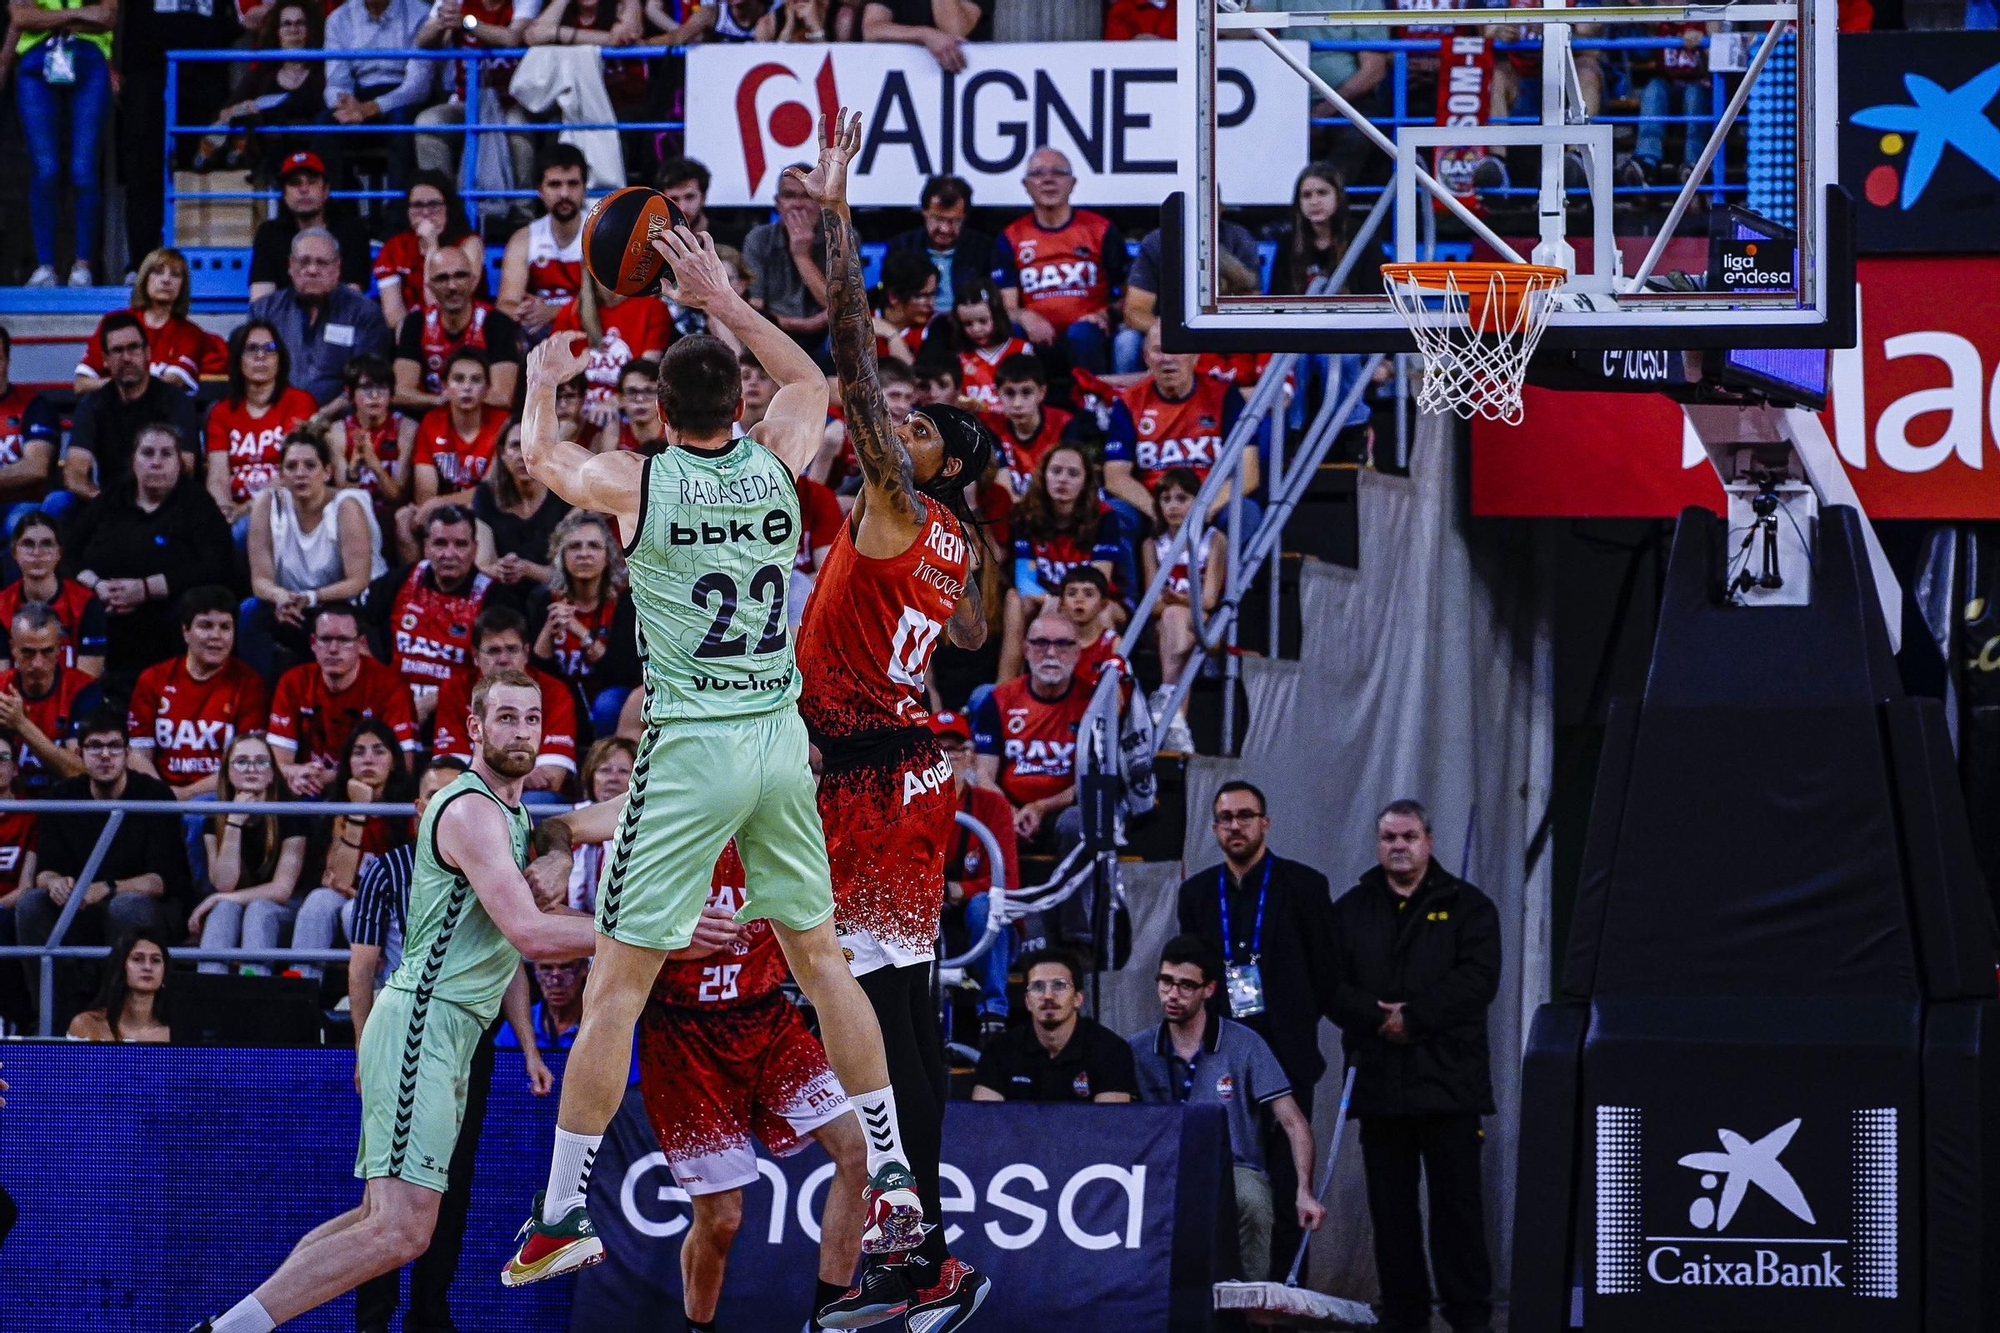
(776, 529)
(1054, 758)
(753, 684)
(916, 783)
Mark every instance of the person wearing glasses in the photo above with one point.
(451, 317)
(1060, 1056)
(966, 259)
(1270, 921)
(245, 431)
(316, 706)
(1026, 730)
(323, 322)
(1071, 263)
(1201, 1059)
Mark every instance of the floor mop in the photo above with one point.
(1286, 1304)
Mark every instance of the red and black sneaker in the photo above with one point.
(879, 1295)
(950, 1304)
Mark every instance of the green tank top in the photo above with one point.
(711, 566)
(28, 41)
(451, 948)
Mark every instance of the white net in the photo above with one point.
(1476, 326)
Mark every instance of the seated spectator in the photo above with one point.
(382, 904)
(964, 258)
(939, 380)
(62, 119)
(620, 330)
(688, 321)
(17, 842)
(107, 421)
(246, 431)
(377, 90)
(452, 320)
(1026, 427)
(984, 337)
(601, 23)
(1680, 86)
(1084, 598)
(177, 349)
(570, 425)
(1312, 241)
(374, 447)
(758, 389)
(940, 28)
(607, 775)
(968, 869)
(132, 1003)
(558, 1014)
(142, 881)
(323, 323)
(787, 259)
(303, 207)
(30, 434)
(38, 553)
(639, 427)
(456, 443)
(500, 643)
(369, 772)
(1060, 1056)
(1198, 1058)
(272, 91)
(41, 700)
(309, 543)
(909, 290)
(542, 267)
(1138, 309)
(1026, 730)
(435, 219)
(517, 516)
(1173, 617)
(254, 861)
(472, 25)
(583, 628)
(1059, 524)
(1141, 20)
(422, 614)
(820, 517)
(144, 542)
(1174, 418)
(316, 707)
(1071, 263)
(186, 711)
(685, 182)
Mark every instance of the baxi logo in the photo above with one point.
(1936, 118)
(790, 124)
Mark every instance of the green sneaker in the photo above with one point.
(548, 1249)
(893, 1212)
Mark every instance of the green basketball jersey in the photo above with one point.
(711, 566)
(451, 948)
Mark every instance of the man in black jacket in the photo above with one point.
(1271, 922)
(965, 259)
(1416, 964)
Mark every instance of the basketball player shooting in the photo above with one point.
(900, 574)
(711, 528)
(472, 918)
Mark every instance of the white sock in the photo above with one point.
(245, 1317)
(569, 1173)
(878, 1125)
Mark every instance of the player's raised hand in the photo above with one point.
(560, 358)
(839, 141)
(699, 277)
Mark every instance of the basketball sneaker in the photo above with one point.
(877, 1296)
(950, 1304)
(547, 1249)
(893, 1215)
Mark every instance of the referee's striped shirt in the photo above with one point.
(381, 905)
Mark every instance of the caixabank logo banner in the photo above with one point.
(1704, 1206)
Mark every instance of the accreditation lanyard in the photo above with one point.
(1256, 930)
(1243, 982)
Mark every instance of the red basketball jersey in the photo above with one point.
(980, 365)
(1023, 458)
(1035, 738)
(461, 463)
(17, 839)
(1171, 434)
(381, 445)
(555, 272)
(13, 415)
(632, 328)
(76, 609)
(434, 628)
(439, 343)
(742, 974)
(869, 629)
(316, 722)
(255, 442)
(1062, 271)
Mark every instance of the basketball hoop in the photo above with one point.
(1476, 325)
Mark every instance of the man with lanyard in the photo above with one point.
(1271, 922)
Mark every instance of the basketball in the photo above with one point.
(618, 236)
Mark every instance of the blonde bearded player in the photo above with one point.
(711, 529)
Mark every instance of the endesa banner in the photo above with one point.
(1114, 108)
(1914, 413)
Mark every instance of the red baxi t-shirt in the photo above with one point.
(461, 463)
(255, 441)
(316, 722)
(1035, 738)
(1067, 272)
(186, 724)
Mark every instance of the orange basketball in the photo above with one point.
(618, 236)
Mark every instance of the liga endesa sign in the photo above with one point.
(1113, 108)
(1914, 413)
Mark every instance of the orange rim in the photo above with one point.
(1479, 282)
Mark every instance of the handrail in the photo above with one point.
(997, 915)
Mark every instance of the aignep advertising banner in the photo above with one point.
(1113, 108)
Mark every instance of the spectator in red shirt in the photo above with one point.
(41, 700)
(17, 872)
(246, 431)
(1060, 524)
(450, 320)
(639, 427)
(968, 863)
(1130, 20)
(621, 329)
(909, 299)
(1173, 497)
(30, 432)
(940, 380)
(316, 706)
(436, 218)
(1026, 734)
(500, 643)
(374, 448)
(1174, 418)
(983, 333)
(1026, 427)
(422, 614)
(38, 552)
(455, 443)
(187, 710)
(1084, 598)
(1072, 263)
(178, 350)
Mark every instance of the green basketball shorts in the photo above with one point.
(696, 786)
(416, 1060)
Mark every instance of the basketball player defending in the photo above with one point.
(900, 574)
(710, 526)
(471, 920)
